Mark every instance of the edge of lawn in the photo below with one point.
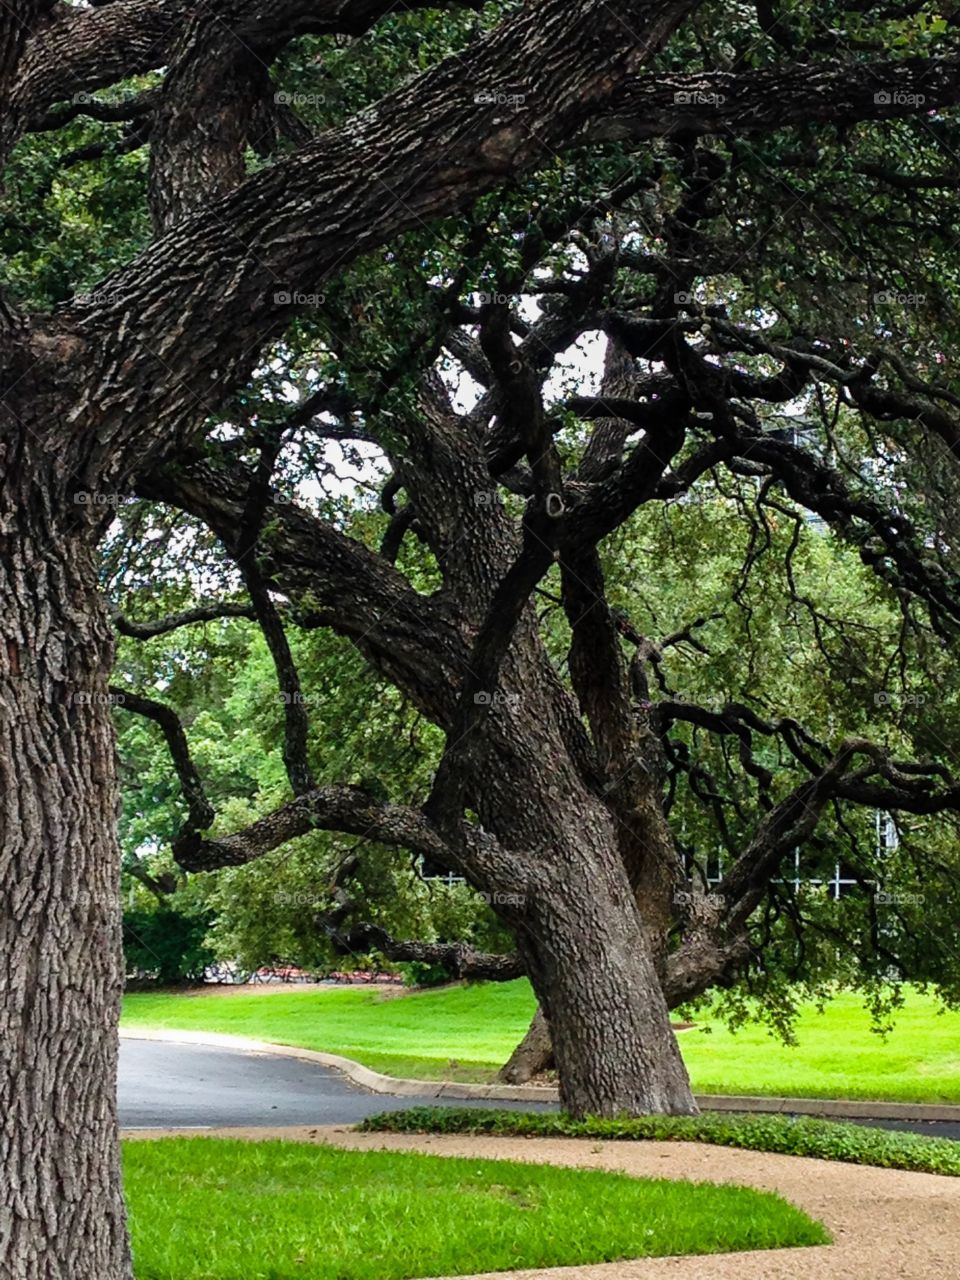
(586, 1217)
(378, 1082)
(782, 1135)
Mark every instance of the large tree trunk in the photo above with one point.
(532, 1055)
(61, 1212)
(558, 880)
(591, 968)
(587, 952)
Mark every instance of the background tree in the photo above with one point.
(671, 140)
(305, 903)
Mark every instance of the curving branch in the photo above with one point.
(791, 822)
(87, 104)
(79, 50)
(296, 721)
(201, 811)
(886, 539)
(338, 807)
(741, 722)
(460, 959)
(185, 618)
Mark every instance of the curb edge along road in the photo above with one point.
(376, 1082)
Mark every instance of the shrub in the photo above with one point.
(167, 946)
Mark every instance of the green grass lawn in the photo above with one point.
(476, 1027)
(216, 1209)
(837, 1056)
(417, 1034)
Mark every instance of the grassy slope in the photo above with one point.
(416, 1034)
(214, 1209)
(838, 1056)
(477, 1026)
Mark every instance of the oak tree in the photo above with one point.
(550, 798)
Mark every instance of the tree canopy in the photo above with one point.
(520, 437)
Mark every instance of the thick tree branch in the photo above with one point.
(721, 102)
(331, 808)
(460, 959)
(193, 312)
(81, 50)
(597, 666)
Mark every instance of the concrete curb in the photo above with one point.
(376, 1082)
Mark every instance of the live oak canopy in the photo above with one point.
(751, 205)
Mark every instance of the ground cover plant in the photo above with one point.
(786, 1135)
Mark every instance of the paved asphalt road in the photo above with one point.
(170, 1085)
(191, 1086)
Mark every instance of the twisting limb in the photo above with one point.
(460, 959)
(338, 807)
(186, 618)
(200, 811)
(296, 721)
(790, 822)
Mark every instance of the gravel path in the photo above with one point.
(886, 1224)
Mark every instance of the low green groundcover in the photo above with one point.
(788, 1135)
(223, 1209)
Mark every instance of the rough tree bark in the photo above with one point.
(532, 1055)
(62, 1212)
(564, 888)
(591, 965)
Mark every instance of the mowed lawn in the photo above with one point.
(214, 1209)
(460, 1032)
(467, 1032)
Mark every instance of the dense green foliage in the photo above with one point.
(343, 1215)
(787, 1135)
(166, 945)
